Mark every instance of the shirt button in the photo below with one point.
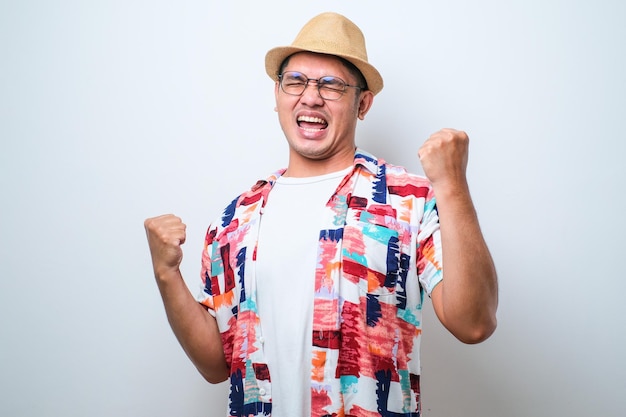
(261, 340)
(262, 391)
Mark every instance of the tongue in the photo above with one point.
(311, 125)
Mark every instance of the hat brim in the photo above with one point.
(275, 57)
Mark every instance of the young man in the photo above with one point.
(314, 278)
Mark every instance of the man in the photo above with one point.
(314, 278)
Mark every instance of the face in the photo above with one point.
(320, 132)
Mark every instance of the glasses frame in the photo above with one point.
(317, 83)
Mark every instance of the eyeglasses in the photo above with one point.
(328, 87)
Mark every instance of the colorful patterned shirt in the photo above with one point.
(379, 251)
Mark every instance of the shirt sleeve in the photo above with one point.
(205, 296)
(429, 254)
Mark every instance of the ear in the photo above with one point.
(276, 87)
(365, 103)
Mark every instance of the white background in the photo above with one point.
(114, 111)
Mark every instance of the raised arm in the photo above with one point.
(195, 329)
(466, 300)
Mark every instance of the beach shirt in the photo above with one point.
(378, 254)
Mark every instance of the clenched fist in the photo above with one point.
(165, 235)
(444, 157)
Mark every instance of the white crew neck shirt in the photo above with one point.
(285, 271)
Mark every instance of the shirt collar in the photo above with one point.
(367, 161)
(361, 158)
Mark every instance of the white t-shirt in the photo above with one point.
(285, 271)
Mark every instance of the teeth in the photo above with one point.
(311, 119)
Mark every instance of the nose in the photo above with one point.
(311, 94)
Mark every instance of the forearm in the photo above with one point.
(469, 292)
(195, 329)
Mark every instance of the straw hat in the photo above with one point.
(332, 34)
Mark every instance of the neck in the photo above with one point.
(301, 166)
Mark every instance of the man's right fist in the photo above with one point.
(165, 236)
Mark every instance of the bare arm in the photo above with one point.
(466, 300)
(195, 329)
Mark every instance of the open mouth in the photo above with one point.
(312, 124)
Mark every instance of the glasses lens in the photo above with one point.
(293, 83)
(331, 88)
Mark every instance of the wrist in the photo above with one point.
(450, 188)
(167, 273)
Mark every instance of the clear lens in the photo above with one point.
(293, 83)
(331, 88)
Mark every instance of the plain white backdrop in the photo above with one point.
(114, 111)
